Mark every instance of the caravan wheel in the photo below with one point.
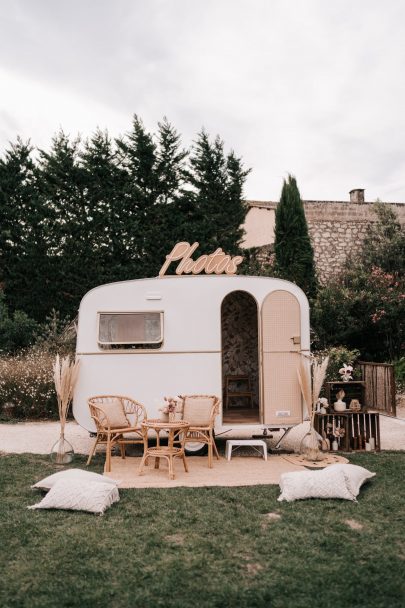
(196, 448)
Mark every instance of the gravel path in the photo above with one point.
(39, 437)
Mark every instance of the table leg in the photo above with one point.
(185, 463)
(171, 468)
(141, 466)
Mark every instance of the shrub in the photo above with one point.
(338, 355)
(399, 369)
(16, 331)
(26, 386)
(364, 307)
(57, 335)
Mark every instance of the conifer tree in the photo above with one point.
(216, 209)
(107, 221)
(69, 220)
(294, 257)
(23, 242)
(154, 176)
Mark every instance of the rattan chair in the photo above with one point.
(115, 418)
(200, 412)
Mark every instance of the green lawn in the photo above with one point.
(204, 547)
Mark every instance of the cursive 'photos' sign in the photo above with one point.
(214, 263)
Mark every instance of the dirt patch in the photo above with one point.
(272, 516)
(269, 518)
(253, 569)
(353, 524)
(175, 539)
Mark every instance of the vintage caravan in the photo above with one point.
(174, 335)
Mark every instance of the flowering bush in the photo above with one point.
(26, 386)
(364, 307)
(339, 356)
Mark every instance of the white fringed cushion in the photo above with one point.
(197, 410)
(115, 412)
(72, 474)
(355, 475)
(314, 484)
(79, 495)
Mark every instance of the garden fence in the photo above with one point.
(380, 386)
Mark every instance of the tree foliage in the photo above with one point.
(365, 307)
(84, 213)
(294, 256)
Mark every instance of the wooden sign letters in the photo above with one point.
(215, 263)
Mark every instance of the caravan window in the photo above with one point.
(130, 329)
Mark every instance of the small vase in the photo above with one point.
(309, 447)
(339, 406)
(62, 452)
(172, 416)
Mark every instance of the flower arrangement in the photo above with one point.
(346, 372)
(169, 409)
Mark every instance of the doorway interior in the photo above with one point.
(240, 359)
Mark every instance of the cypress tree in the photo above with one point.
(294, 256)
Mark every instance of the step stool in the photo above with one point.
(238, 443)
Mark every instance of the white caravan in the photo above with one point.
(176, 335)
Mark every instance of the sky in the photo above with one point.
(307, 87)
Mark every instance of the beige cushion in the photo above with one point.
(79, 495)
(76, 474)
(114, 410)
(197, 410)
(327, 483)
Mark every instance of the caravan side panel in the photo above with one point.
(147, 378)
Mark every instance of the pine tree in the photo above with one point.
(215, 207)
(154, 176)
(23, 243)
(294, 256)
(69, 272)
(107, 221)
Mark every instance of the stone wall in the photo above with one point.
(337, 230)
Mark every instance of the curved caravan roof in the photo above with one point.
(191, 304)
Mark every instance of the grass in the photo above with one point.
(204, 547)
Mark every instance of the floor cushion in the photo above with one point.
(79, 495)
(355, 475)
(70, 474)
(325, 483)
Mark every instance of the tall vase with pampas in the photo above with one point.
(65, 376)
(311, 378)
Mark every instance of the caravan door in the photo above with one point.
(281, 345)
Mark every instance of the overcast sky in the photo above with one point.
(311, 87)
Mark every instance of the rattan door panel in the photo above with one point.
(281, 322)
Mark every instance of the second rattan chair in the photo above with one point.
(200, 412)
